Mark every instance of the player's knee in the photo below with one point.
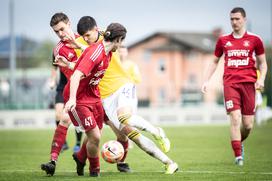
(248, 126)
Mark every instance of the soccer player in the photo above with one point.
(59, 104)
(120, 103)
(82, 96)
(61, 25)
(240, 80)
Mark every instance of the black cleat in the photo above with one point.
(79, 165)
(123, 167)
(49, 168)
(94, 174)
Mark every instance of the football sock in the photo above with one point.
(82, 153)
(125, 146)
(236, 146)
(58, 141)
(150, 147)
(142, 124)
(94, 164)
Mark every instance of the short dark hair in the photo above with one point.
(115, 31)
(239, 10)
(85, 24)
(58, 17)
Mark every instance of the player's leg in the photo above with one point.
(235, 134)
(56, 146)
(128, 98)
(59, 105)
(143, 142)
(233, 107)
(91, 119)
(248, 110)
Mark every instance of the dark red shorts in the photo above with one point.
(88, 116)
(240, 96)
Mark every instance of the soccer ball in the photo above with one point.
(112, 151)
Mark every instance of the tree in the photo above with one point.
(268, 80)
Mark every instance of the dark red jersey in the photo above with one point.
(92, 63)
(239, 55)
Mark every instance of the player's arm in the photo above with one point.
(53, 75)
(74, 83)
(261, 60)
(211, 69)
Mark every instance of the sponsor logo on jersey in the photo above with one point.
(237, 53)
(228, 44)
(237, 63)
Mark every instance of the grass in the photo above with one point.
(202, 152)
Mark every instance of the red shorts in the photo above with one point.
(88, 116)
(240, 96)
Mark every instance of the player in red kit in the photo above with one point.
(241, 50)
(82, 96)
(62, 27)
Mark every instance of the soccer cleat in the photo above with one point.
(171, 168)
(49, 168)
(76, 148)
(79, 165)
(243, 151)
(163, 141)
(123, 167)
(94, 174)
(64, 147)
(239, 161)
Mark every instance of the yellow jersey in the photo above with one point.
(116, 74)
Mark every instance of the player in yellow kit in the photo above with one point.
(119, 99)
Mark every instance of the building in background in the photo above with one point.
(172, 66)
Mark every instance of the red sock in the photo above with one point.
(125, 146)
(82, 153)
(236, 146)
(58, 141)
(94, 164)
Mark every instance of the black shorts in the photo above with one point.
(59, 97)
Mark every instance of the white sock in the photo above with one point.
(149, 147)
(140, 123)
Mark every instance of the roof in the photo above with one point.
(182, 40)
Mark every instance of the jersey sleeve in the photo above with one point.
(218, 52)
(259, 48)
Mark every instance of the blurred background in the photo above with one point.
(171, 41)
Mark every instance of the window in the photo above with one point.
(161, 66)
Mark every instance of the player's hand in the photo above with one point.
(61, 61)
(70, 105)
(259, 85)
(204, 87)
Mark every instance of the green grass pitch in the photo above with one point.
(202, 152)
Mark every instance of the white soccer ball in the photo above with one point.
(112, 151)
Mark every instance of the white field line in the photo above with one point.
(184, 171)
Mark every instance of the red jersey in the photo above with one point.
(92, 63)
(69, 53)
(239, 57)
